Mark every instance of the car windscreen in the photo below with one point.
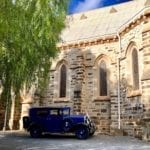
(66, 112)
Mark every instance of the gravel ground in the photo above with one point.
(22, 141)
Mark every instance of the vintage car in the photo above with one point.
(57, 120)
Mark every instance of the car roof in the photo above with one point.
(47, 107)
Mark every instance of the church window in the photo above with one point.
(135, 69)
(103, 79)
(63, 80)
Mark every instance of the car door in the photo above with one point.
(41, 117)
(54, 121)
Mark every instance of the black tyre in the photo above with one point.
(35, 132)
(67, 124)
(82, 133)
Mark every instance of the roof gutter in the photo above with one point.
(144, 11)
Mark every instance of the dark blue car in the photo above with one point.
(57, 120)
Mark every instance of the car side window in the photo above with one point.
(42, 113)
(54, 112)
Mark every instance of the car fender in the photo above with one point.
(79, 125)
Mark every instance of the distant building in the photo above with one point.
(103, 68)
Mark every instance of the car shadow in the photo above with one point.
(58, 136)
(26, 135)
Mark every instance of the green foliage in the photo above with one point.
(29, 31)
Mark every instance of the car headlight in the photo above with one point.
(86, 120)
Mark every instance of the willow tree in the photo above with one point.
(29, 31)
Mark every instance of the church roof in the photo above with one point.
(100, 22)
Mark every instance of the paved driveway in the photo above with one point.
(22, 141)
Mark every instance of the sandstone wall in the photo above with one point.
(145, 80)
(100, 108)
(135, 104)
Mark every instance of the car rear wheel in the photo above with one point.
(35, 132)
(82, 133)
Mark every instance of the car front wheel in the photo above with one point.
(35, 132)
(82, 133)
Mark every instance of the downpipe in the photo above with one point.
(118, 76)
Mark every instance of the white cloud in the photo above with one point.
(87, 5)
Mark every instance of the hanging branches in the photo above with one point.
(29, 31)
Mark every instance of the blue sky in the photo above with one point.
(76, 6)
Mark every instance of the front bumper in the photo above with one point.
(92, 128)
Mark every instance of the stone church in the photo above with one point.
(103, 69)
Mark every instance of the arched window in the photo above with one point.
(63, 80)
(135, 69)
(103, 79)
